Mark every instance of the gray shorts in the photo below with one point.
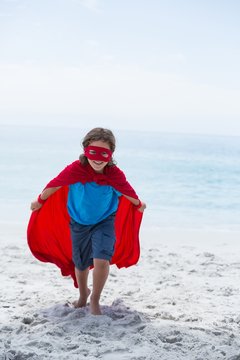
(92, 242)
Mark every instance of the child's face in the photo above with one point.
(99, 165)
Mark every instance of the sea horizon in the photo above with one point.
(187, 180)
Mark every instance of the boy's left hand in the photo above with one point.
(143, 207)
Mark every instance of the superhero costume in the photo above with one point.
(48, 232)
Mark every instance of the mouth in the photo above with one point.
(98, 163)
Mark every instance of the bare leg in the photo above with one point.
(100, 275)
(84, 291)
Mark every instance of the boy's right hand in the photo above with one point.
(35, 205)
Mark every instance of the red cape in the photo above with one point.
(76, 172)
(48, 232)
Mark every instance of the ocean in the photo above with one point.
(188, 181)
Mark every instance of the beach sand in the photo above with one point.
(181, 301)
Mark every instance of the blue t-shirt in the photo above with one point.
(91, 203)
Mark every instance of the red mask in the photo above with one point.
(98, 153)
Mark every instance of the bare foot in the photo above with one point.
(95, 307)
(82, 301)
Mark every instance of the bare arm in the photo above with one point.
(136, 202)
(35, 205)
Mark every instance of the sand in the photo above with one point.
(181, 301)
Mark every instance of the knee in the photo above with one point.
(101, 263)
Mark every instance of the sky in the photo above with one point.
(168, 66)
